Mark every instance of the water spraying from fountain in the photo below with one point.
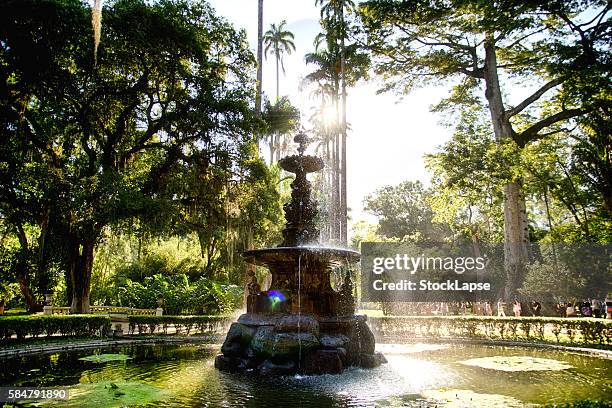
(300, 324)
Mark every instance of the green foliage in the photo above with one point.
(278, 41)
(8, 291)
(363, 231)
(581, 331)
(71, 325)
(115, 394)
(470, 170)
(558, 49)
(186, 324)
(404, 213)
(550, 281)
(580, 404)
(176, 294)
(90, 146)
(281, 117)
(468, 173)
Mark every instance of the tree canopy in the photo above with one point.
(85, 146)
(559, 50)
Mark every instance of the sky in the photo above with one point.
(388, 137)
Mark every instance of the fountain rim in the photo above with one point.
(305, 163)
(336, 255)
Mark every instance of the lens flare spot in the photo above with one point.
(276, 298)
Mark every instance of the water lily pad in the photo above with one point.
(105, 358)
(517, 363)
(453, 398)
(111, 394)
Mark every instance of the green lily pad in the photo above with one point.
(110, 394)
(454, 398)
(105, 358)
(517, 363)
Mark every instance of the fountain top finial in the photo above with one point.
(302, 140)
(301, 163)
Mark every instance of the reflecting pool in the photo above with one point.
(416, 375)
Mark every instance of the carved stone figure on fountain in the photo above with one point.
(253, 292)
(347, 300)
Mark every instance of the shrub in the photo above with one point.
(197, 324)
(71, 325)
(580, 404)
(546, 329)
(179, 295)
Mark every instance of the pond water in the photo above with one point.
(417, 375)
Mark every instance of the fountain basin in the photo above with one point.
(329, 255)
(287, 344)
(296, 163)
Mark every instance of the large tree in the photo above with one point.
(258, 95)
(338, 65)
(404, 213)
(333, 17)
(554, 46)
(281, 119)
(171, 86)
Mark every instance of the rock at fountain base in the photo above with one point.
(229, 364)
(269, 368)
(371, 360)
(323, 362)
(274, 345)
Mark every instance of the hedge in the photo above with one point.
(543, 329)
(70, 325)
(182, 324)
(580, 404)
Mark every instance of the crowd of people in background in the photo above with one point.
(586, 308)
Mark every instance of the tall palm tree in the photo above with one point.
(332, 12)
(259, 56)
(279, 41)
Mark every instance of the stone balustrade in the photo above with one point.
(64, 310)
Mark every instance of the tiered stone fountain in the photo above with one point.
(301, 324)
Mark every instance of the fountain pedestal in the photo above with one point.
(301, 324)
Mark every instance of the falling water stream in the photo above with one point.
(299, 310)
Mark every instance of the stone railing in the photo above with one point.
(130, 311)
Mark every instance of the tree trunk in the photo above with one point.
(343, 204)
(44, 281)
(279, 146)
(608, 202)
(271, 149)
(81, 264)
(259, 57)
(22, 273)
(277, 77)
(516, 235)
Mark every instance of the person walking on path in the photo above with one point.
(536, 308)
(516, 308)
(596, 307)
(488, 309)
(501, 306)
(609, 306)
(570, 311)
